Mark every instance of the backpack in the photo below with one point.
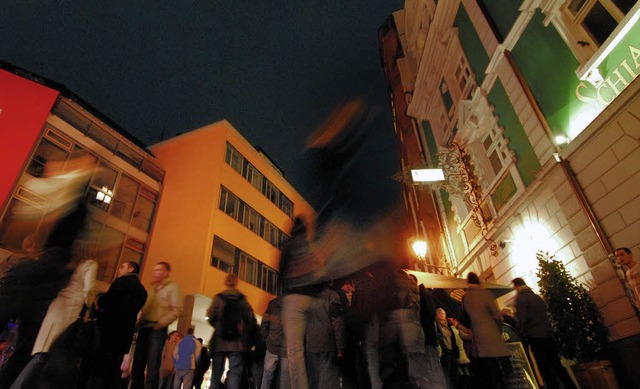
(231, 321)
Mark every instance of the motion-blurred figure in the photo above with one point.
(490, 355)
(535, 329)
(117, 314)
(29, 286)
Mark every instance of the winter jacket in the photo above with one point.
(215, 312)
(531, 315)
(164, 305)
(486, 323)
(325, 324)
(271, 328)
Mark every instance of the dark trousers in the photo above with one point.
(105, 372)
(489, 373)
(545, 351)
(148, 354)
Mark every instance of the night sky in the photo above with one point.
(274, 69)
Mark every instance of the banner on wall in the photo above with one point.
(24, 108)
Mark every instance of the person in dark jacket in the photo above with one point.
(324, 340)
(276, 364)
(117, 314)
(534, 327)
(234, 348)
(202, 365)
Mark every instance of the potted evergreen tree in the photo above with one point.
(576, 323)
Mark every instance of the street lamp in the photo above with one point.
(420, 249)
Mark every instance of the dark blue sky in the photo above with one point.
(274, 69)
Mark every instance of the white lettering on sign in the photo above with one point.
(613, 85)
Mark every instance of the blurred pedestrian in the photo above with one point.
(232, 319)
(490, 355)
(64, 310)
(202, 365)
(167, 370)
(185, 357)
(324, 340)
(276, 364)
(300, 269)
(448, 346)
(30, 285)
(536, 331)
(117, 314)
(164, 306)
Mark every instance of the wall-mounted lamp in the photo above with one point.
(562, 140)
(420, 249)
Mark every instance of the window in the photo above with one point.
(254, 176)
(271, 192)
(240, 164)
(252, 219)
(229, 203)
(103, 182)
(232, 260)
(269, 280)
(286, 205)
(144, 209)
(234, 159)
(124, 198)
(248, 269)
(223, 255)
(599, 18)
(271, 233)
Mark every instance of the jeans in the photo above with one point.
(236, 369)
(275, 368)
(322, 371)
(105, 372)
(371, 354)
(404, 357)
(148, 354)
(183, 377)
(294, 323)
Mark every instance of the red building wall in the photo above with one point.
(24, 108)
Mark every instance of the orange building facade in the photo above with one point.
(225, 208)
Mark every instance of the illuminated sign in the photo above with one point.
(615, 72)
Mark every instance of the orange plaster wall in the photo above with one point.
(188, 215)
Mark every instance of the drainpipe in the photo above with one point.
(586, 207)
(584, 204)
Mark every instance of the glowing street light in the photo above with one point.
(420, 249)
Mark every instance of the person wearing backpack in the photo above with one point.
(232, 319)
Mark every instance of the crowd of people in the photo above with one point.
(375, 327)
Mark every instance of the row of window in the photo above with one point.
(250, 218)
(240, 164)
(118, 195)
(232, 260)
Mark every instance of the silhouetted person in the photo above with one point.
(536, 331)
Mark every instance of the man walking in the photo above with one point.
(185, 356)
(534, 327)
(117, 313)
(163, 307)
(232, 318)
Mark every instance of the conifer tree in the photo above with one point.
(573, 314)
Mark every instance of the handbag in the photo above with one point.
(79, 342)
